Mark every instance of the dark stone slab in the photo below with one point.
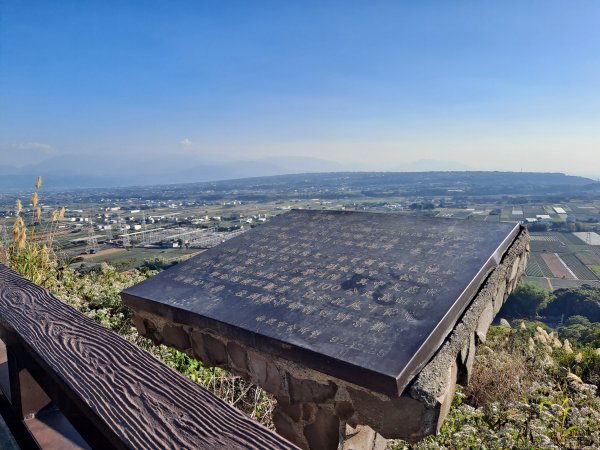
(364, 297)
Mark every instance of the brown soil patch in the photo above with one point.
(108, 251)
(557, 266)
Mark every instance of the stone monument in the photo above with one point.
(359, 324)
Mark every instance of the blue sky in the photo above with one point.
(506, 85)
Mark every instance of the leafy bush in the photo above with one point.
(581, 333)
(578, 320)
(157, 264)
(526, 301)
(583, 301)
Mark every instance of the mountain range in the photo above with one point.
(85, 171)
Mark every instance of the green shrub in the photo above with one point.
(525, 302)
(157, 264)
(583, 301)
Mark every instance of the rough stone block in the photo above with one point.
(138, 321)
(446, 400)
(238, 356)
(344, 410)
(294, 412)
(485, 320)
(153, 332)
(304, 391)
(289, 429)
(499, 297)
(523, 264)
(464, 353)
(515, 268)
(198, 350)
(323, 433)
(362, 438)
(309, 410)
(175, 336)
(464, 370)
(394, 418)
(215, 350)
(380, 442)
(264, 373)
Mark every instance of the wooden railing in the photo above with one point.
(68, 382)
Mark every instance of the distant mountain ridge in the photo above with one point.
(361, 185)
(99, 171)
(439, 182)
(471, 177)
(83, 171)
(459, 186)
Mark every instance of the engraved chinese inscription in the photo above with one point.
(367, 289)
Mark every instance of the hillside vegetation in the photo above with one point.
(536, 381)
(524, 394)
(534, 384)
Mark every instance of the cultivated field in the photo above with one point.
(560, 260)
(135, 257)
(537, 266)
(589, 238)
(590, 257)
(557, 266)
(102, 253)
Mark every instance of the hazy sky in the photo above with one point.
(505, 85)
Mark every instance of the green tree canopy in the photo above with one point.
(577, 320)
(526, 301)
(583, 301)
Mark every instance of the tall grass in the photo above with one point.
(31, 252)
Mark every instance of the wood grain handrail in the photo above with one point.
(115, 394)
